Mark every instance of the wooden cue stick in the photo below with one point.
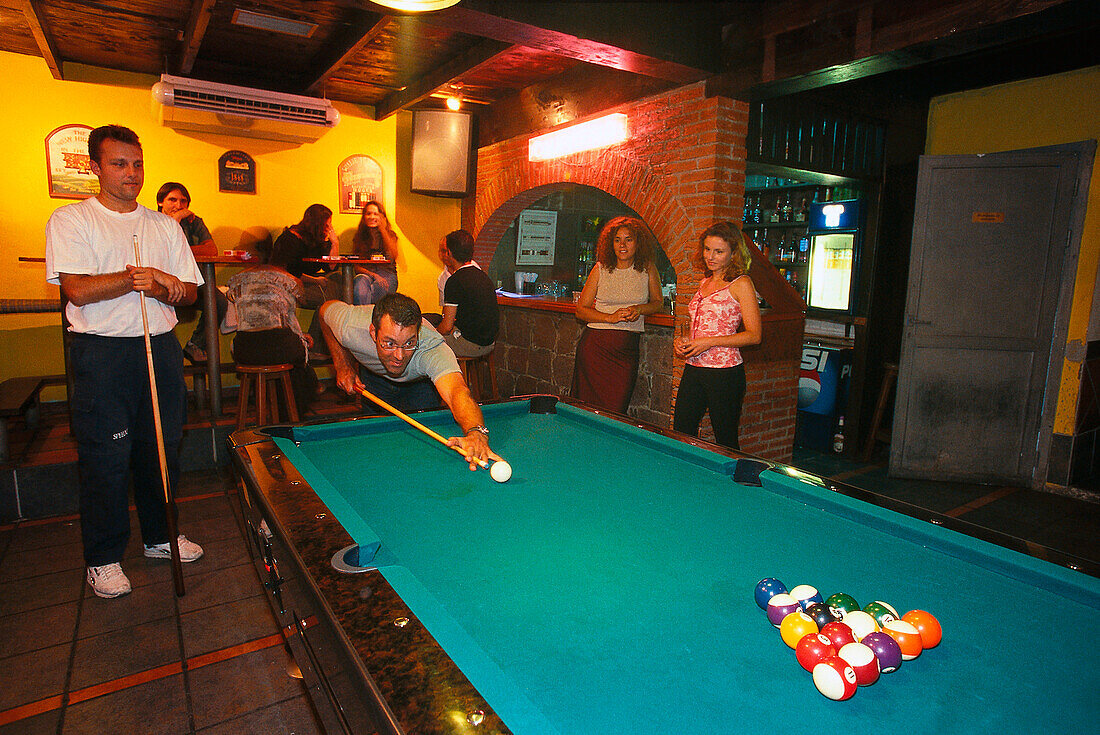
(416, 424)
(169, 500)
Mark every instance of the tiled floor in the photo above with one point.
(213, 660)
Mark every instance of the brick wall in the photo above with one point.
(682, 169)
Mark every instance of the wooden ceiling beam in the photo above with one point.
(41, 36)
(441, 76)
(197, 23)
(944, 30)
(364, 29)
(517, 33)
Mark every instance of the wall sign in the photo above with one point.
(68, 165)
(237, 173)
(359, 179)
(538, 231)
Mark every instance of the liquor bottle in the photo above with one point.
(773, 213)
(787, 209)
(755, 214)
(804, 249)
(800, 213)
(838, 437)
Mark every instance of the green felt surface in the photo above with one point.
(608, 587)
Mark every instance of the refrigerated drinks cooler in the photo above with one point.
(834, 233)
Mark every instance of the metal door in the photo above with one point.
(990, 236)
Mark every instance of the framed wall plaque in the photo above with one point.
(359, 179)
(237, 173)
(68, 165)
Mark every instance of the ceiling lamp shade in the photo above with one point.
(416, 6)
(598, 133)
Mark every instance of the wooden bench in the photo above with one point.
(19, 397)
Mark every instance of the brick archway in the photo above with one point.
(518, 186)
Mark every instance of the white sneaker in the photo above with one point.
(108, 580)
(189, 550)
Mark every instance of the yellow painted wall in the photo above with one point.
(1063, 108)
(290, 176)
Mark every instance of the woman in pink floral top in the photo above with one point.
(724, 316)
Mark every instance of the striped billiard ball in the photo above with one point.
(806, 595)
(863, 661)
(835, 679)
(780, 606)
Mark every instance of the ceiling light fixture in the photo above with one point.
(598, 133)
(454, 103)
(416, 6)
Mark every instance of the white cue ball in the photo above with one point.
(501, 471)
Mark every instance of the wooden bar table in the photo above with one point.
(347, 265)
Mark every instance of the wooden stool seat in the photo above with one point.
(471, 373)
(266, 379)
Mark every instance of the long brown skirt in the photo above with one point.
(606, 368)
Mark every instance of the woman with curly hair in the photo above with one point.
(621, 289)
(724, 316)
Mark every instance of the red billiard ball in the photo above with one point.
(926, 624)
(813, 649)
(839, 633)
(835, 679)
(862, 660)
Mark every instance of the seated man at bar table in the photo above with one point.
(174, 200)
(403, 361)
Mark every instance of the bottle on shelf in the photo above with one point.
(800, 213)
(787, 211)
(803, 249)
(838, 437)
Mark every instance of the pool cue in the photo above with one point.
(169, 499)
(417, 425)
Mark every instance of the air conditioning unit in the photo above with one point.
(195, 105)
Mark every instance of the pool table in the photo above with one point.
(608, 586)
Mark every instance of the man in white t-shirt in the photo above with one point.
(90, 253)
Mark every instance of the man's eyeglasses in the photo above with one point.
(388, 345)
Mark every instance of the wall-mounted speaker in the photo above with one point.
(442, 153)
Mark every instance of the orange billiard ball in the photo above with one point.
(926, 624)
(907, 637)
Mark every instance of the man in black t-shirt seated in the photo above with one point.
(470, 315)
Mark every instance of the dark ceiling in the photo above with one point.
(525, 65)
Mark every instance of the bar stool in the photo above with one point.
(266, 379)
(471, 373)
(889, 377)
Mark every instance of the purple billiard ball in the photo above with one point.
(886, 650)
(766, 589)
(780, 606)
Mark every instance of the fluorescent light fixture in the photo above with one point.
(273, 23)
(416, 6)
(598, 133)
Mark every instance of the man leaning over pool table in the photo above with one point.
(403, 361)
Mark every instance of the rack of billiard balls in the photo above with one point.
(843, 646)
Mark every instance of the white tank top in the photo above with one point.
(618, 288)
